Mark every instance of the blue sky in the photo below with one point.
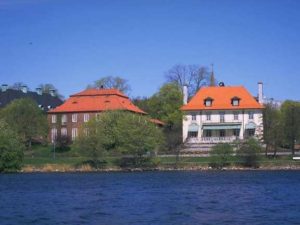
(72, 43)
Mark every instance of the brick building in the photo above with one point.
(66, 119)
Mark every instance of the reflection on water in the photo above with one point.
(252, 197)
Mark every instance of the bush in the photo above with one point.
(221, 155)
(11, 149)
(248, 153)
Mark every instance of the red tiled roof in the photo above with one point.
(96, 100)
(222, 97)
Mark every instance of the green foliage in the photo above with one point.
(91, 141)
(26, 119)
(123, 132)
(165, 105)
(11, 149)
(291, 123)
(273, 128)
(248, 153)
(137, 136)
(221, 155)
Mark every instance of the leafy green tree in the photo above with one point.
(119, 131)
(112, 82)
(221, 155)
(248, 153)
(91, 141)
(273, 129)
(26, 119)
(137, 136)
(165, 105)
(291, 123)
(11, 149)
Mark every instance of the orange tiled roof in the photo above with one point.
(96, 100)
(222, 99)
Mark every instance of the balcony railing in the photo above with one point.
(227, 139)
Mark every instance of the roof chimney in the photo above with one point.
(260, 92)
(185, 94)
(39, 91)
(4, 87)
(52, 92)
(24, 89)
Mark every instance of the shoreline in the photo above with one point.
(68, 169)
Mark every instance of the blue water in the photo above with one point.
(229, 197)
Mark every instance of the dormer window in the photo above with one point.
(208, 102)
(235, 101)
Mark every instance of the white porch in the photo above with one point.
(212, 140)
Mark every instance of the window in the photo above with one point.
(192, 134)
(251, 115)
(222, 117)
(193, 116)
(222, 133)
(207, 133)
(86, 117)
(236, 132)
(208, 116)
(208, 102)
(63, 119)
(74, 118)
(74, 133)
(53, 134)
(53, 118)
(250, 132)
(64, 132)
(236, 115)
(235, 101)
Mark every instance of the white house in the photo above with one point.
(222, 114)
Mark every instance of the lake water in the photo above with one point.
(228, 197)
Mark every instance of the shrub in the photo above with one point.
(248, 153)
(11, 149)
(221, 155)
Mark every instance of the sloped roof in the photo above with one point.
(222, 98)
(44, 100)
(97, 100)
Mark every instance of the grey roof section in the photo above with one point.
(45, 101)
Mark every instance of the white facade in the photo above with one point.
(221, 125)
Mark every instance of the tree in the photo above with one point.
(137, 136)
(248, 153)
(194, 76)
(46, 88)
(26, 119)
(112, 82)
(273, 129)
(165, 105)
(91, 141)
(221, 155)
(11, 149)
(124, 132)
(18, 86)
(291, 123)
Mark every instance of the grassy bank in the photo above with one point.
(42, 158)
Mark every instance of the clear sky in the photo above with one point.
(71, 43)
